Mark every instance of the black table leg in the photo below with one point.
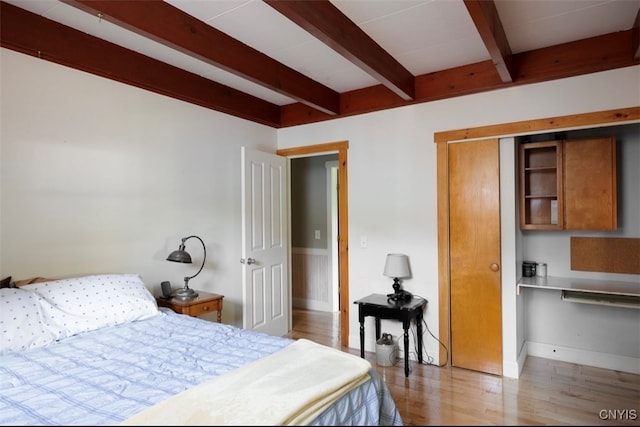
(406, 350)
(362, 339)
(419, 329)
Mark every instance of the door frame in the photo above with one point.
(527, 127)
(332, 231)
(339, 147)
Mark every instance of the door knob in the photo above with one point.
(248, 261)
(494, 267)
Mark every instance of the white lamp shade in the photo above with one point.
(397, 265)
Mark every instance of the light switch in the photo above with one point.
(363, 241)
(317, 234)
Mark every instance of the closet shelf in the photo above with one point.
(588, 291)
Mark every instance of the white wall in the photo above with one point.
(392, 179)
(513, 335)
(99, 177)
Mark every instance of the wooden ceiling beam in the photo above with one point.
(601, 53)
(487, 21)
(37, 36)
(172, 27)
(328, 24)
(592, 55)
(34, 35)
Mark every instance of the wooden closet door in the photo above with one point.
(474, 209)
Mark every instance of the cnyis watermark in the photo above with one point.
(618, 414)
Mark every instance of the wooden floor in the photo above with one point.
(548, 392)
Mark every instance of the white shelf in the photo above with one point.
(588, 291)
(601, 299)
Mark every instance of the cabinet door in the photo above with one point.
(541, 185)
(590, 199)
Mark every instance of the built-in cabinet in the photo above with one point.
(568, 184)
(541, 185)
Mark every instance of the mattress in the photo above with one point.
(107, 375)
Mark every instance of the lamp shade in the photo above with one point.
(180, 255)
(397, 265)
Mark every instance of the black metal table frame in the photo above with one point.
(378, 306)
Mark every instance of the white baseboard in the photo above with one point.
(510, 369)
(584, 357)
(309, 304)
(554, 352)
(514, 369)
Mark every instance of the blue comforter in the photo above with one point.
(105, 376)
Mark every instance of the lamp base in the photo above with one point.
(185, 293)
(399, 295)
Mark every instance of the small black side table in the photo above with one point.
(380, 307)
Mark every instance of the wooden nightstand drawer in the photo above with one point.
(205, 302)
(203, 307)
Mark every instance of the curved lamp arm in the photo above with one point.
(204, 258)
(181, 255)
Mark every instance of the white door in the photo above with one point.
(265, 270)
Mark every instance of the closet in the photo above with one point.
(456, 205)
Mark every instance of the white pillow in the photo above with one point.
(88, 303)
(23, 324)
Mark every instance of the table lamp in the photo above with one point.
(181, 255)
(397, 266)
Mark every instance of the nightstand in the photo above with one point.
(203, 303)
(381, 307)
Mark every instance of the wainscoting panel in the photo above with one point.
(311, 279)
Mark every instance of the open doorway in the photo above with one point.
(342, 224)
(314, 232)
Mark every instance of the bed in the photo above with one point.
(96, 350)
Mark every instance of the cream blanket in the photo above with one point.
(289, 387)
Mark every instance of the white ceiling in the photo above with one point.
(423, 35)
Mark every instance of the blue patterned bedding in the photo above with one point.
(104, 376)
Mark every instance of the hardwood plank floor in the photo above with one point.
(548, 392)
